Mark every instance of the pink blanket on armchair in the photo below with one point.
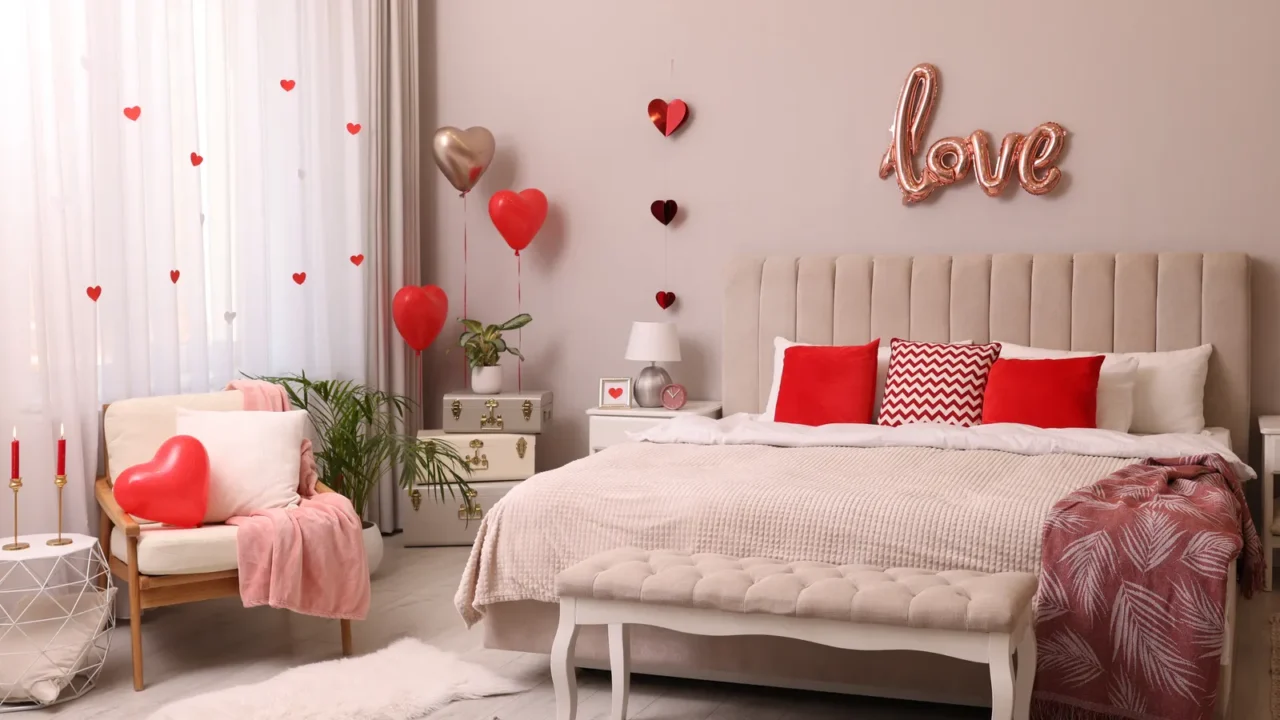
(308, 558)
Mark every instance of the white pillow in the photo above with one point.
(1168, 387)
(254, 458)
(780, 345)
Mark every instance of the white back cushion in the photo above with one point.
(134, 429)
(254, 458)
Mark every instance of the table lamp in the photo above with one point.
(652, 342)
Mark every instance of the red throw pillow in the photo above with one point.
(822, 384)
(936, 383)
(1044, 393)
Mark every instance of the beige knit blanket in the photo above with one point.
(919, 507)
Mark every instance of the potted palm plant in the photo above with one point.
(484, 347)
(359, 439)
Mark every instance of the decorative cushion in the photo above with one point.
(1043, 393)
(254, 458)
(936, 383)
(135, 428)
(1116, 383)
(164, 550)
(828, 384)
(950, 600)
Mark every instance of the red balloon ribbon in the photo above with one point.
(464, 280)
(419, 314)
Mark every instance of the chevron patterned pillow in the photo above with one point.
(936, 383)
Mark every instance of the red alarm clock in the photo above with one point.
(674, 396)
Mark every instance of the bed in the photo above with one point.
(1093, 302)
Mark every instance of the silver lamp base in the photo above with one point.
(648, 386)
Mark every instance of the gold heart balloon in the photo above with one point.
(463, 155)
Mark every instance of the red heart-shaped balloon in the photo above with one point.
(287, 85)
(518, 216)
(419, 314)
(667, 117)
(357, 259)
(299, 278)
(172, 487)
(666, 299)
(133, 112)
(196, 159)
(94, 292)
(664, 210)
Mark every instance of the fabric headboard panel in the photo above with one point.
(1091, 301)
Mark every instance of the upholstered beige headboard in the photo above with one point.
(1090, 301)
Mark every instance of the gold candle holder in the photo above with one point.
(61, 482)
(15, 484)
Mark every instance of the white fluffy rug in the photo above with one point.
(405, 680)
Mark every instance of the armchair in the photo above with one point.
(164, 565)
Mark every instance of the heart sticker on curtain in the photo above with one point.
(353, 128)
(287, 85)
(133, 112)
(196, 159)
(300, 277)
(228, 316)
(667, 118)
(665, 299)
(173, 276)
(94, 292)
(357, 259)
(664, 210)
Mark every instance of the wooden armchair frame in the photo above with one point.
(151, 591)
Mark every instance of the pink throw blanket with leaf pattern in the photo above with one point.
(1131, 608)
(308, 558)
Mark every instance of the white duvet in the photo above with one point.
(933, 497)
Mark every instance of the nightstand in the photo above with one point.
(1269, 426)
(609, 426)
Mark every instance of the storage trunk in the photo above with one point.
(523, 412)
(491, 456)
(429, 521)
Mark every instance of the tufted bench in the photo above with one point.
(973, 616)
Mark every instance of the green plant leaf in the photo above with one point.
(472, 325)
(517, 322)
(516, 352)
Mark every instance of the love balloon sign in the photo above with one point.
(949, 160)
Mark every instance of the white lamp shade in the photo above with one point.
(653, 342)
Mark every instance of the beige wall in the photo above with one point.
(1173, 109)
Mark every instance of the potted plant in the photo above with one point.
(359, 438)
(484, 346)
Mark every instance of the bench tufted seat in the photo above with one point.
(949, 600)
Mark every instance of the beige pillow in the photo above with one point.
(254, 458)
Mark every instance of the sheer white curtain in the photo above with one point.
(196, 220)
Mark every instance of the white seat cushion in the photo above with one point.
(164, 550)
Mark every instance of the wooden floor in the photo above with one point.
(206, 646)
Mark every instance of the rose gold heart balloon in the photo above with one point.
(463, 155)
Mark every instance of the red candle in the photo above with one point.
(13, 454)
(62, 449)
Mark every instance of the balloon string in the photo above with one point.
(520, 331)
(464, 279)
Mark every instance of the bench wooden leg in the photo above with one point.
(1025, 680)
(562, 670)
(620, 666)
(1000, 659)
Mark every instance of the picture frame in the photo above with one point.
(615, 393)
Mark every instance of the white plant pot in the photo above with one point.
(486, 380)
(372, 546)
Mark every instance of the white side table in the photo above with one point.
(56, 616)
(609, 426)
(1269, 425)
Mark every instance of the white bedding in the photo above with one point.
(933, 497)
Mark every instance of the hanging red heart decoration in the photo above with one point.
(664, 210)
(357, 259)
(172, 487)
(133, 112)
(300, 277)
(353, 128)
(667, 117)
(173, 276)
(666, 299)
(196, 159)
(287, 85)
(94, 292)
(518, 216)
(419, 314)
